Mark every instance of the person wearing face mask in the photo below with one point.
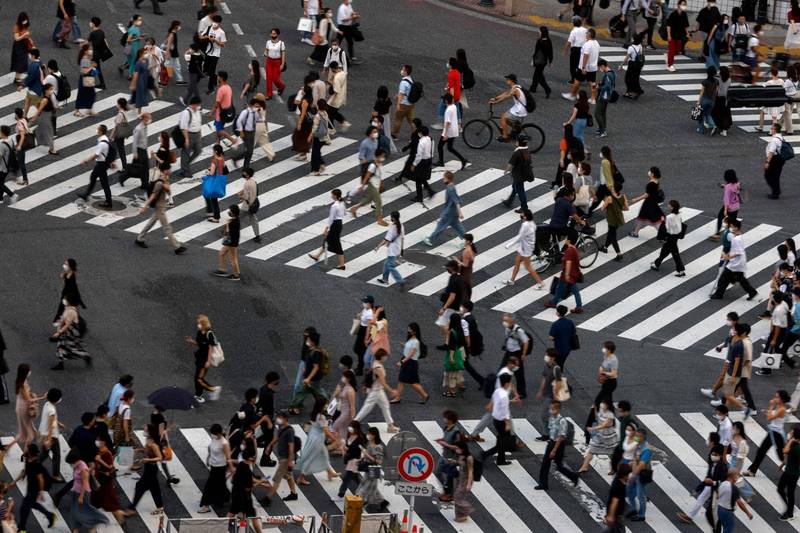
(450, 131)
(326, 31)
(149, 480)
(377, 387)
(369, 488)
(203, 341)
(284, 444)
(348, 20)
(776, 415)
(317, 364)
(738, 451)
(335, 54)
(557, 431)
(87, 79)
(753, 57)
(791, 473)
(603, 434)
(68, 335)
(105, 496)
(194, 60)
(677, 32)
(409, 365)
(724, 425)
(275, 57)
(230, 246)
(525, 244)
(333, 230)
(717, 473)
(352, 443)
(447, 470)
(364, 317)
(314, 456)
(337, 87)
(641, 475)
(551, 374)
(491, 383)
(49, 431)
(372, 183)
(345, 397)
(34, 474)
(708, 18)
(218, 460)
(215, 41)
(731, 320)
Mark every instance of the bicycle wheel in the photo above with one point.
(535, 137)
(542, 262)
(477, 133)
(588, 250)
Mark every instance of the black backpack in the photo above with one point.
(112, 152)
(11, 162)
(468, 78)
(530, 339)
(290, 103)
(475, 336)
(530, 103)
(63, 90)
(416, 91)
(227, 114)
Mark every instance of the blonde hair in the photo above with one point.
(204, 321)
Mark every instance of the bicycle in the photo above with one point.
(478, 132)
(587, 246)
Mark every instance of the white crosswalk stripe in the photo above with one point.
(564, 508)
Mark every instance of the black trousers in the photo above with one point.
(744, 386)
(350, 480)
(358, 348)
(148, 482)
(544, 471)
(561, 359)
(100, 171)
(30, 502)
(472, 372)
(611, 239)
(670, 247)
(772, 174)
(651, 26)
(519, 375)
(335, 115)
(721, 216)
(347, 33)
(538, 79)
(248, 145)
(210, 66)
(316, 155)
(55, 453)
(144, 167)
(422, 173)
(504, 441)
(786, 485)
(574, 61)
(120, 144)
(727, 277)
(449, 142)
(212, 206)
(766, 444)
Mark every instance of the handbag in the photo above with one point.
(29, 142)
(214, 186)
(305, 24)
(354, 327)
(123, 130)
(166, 453)
(696, 112)
(574, 342)
(172, 156)
(357, 35)
(254, 207)
(216, 354)
(88, 81)
(561, 393)
(539, 59)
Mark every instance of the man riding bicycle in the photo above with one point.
(517, 112)
(563, 213)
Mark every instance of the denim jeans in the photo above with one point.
(76, 30)
(577, 129)
(706, 106)
(563, 289)
(518, 190)
(635, 491)
(448, 220)
(298, 380)
(390, 267)
(712, 60)
(726, 519)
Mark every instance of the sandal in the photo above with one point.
(156, 512)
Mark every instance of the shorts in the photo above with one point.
(752, 62)
(444, 319)
(283, 471)
(590, 77)
(219, 125)
(729, 384)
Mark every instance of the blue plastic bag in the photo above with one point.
(214, 186)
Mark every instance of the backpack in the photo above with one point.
(123, 40)
(475, 336)
(639, 60)
(423, 350)
(63, 88)
(112, 154)
(516, 336)
(11, 162)
(488, 384)
(468, 78)
(530, 103)
(227, 114)
(785, 152)
(324, 362)
(415, 93)
(618, 177)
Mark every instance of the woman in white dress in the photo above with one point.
(525, 242)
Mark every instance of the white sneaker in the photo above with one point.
(345, 126)
(509, 282)
(592, 101)
(307, 41)
(13, 199)
(724, 133)
(707, 393)
(568, 96)
(538, 287)
(200, 399)
(437, 126)
(715, 403)
(427, 241)
(672, 68)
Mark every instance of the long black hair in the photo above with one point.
(395, 216)
(256, 73)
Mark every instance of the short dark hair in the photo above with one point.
(623, 470)
(53, 395)
(195, 100)
(35, 52)
(216, 18)
(624, 405)
(380, 151)
(248, 171)
(95, 20)
(602, 62)
(448, 98)
(504, 379)
(250, 393)
(346, 361)
(125, 380)
(561, 310)
(407, 68)
(223, 74)
(272, 377)
(87, 417)
(276, 30)
(5, 130)
(450, 415)
(103, 129)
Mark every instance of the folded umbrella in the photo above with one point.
(173, 398)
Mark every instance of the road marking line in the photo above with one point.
(237, 29)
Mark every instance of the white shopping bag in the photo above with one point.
(305, 24)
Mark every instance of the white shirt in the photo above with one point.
(101, 150)
(577, 37)
(752, 42)
(215, 50)
(344, 11)
(674, 224)
(274, 49)
(124, 410)
(366, 316)
(788, 85)
(725, 431)
(216, 452)
(395, 240)
(780, 315)
(592, 49)
(340, 56)
(376, 175)
(504, 370)
(336, 212)
(774, 144)
(48, 410)
(191, 121)
(500, 410)
(738, 261)
(526, 238)
(204, 24)
(451, 121)
(518, 109)
(312, 8)
(424, 149)
(247, 119)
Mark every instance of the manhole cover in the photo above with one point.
(120, 207)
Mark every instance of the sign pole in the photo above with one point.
(411, 514)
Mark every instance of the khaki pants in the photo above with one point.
(402, 111)
(160, 216)
(233, 252)
(373, 195)
(788, 110)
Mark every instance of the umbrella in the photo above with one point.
(173, 398)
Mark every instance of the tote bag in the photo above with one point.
(214, 186)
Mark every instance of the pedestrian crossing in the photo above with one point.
(625, 299)
(504, 500)
(684, 83)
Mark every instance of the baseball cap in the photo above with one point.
(512, 77)
(368, 299)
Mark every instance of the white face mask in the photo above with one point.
(280, 421)
(719, 417)
(64, 301)
(629, 433)
(605, 351)
(373, 135)
(730, 323)
(681, 8)
(506, 324)
(308, 343)
(365, 305)
(351, 430)
(215, 26)
(447, 66)
(98, 443)
(65, 267)
(187, 57)
(199, 326)
(546, 360)
(514, 368)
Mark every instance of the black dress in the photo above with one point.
(650, 212)
(242, 493)
(19, 56)
(70, 287)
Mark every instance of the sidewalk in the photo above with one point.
(537, 13)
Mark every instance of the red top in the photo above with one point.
(570, 254)
(454, 84)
